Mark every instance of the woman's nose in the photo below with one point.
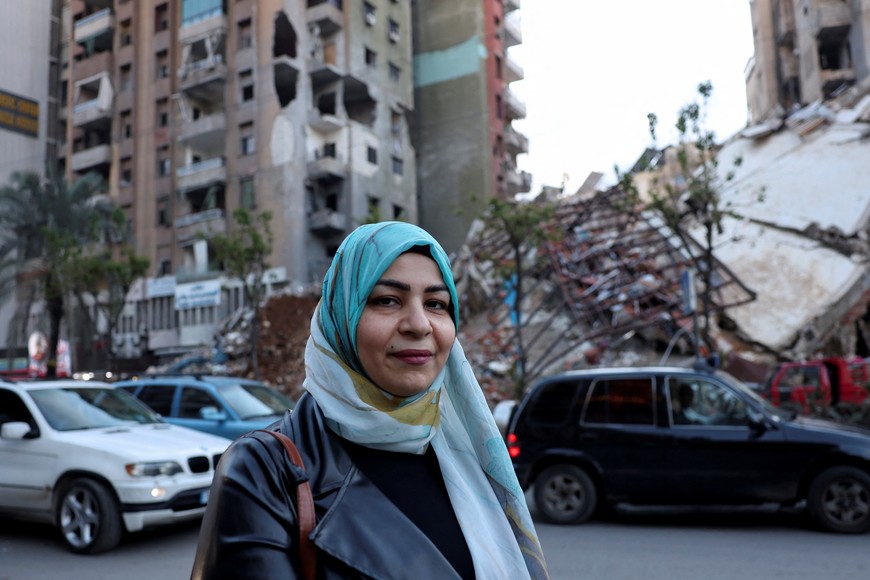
(415, 319)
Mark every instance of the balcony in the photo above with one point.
(831, 20)
(93, 114)
(92, 158)
(517, 181)
(327, 222)
(834, 79)
(201, 174)
(511, 5)
(96, 30)
(514, 107)
(203, 132)
(204, 79)
(512, 71)
(212, 24)
(327, 166)
(327, 15)
(189, 227)
(515, 142)
(513, 35)
(323, 67)
(324, 123)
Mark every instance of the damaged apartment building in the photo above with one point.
(791, 265)
(192, 109)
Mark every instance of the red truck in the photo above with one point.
(825, 382)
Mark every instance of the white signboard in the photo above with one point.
(198, 294)
(158, 287)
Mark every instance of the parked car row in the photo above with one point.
(597, 438)
(96, 461)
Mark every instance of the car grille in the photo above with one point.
(198, 464)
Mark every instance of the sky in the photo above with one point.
(593, 70)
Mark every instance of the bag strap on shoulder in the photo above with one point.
(304, 509)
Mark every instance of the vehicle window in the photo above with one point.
(69, 409)
(250, 401)
(193, 400)
(797, 378)
(700, 402)
(158, 397)
(12, 408)
(552, 402)
(622, 401)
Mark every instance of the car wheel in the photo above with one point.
(565, 494)
(839, 500)
(88, 517)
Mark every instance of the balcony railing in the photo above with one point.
(327, 16)
(205, 130)
(325, 123)
(209, 222)
(327, 222)
(513, 71)
(92, 157)
(513, 35)
(516, 109)
(95, 27)
(201, 174)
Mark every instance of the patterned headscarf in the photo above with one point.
(452, 414)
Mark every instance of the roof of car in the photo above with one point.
(632, 370)
(40, 384)
(191, 378)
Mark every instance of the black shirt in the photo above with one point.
(415, 485)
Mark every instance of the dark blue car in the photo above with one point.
(225, 406)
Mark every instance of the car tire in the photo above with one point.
(839, 500)
(565, 494)
(88, 517)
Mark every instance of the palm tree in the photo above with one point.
(42, 224)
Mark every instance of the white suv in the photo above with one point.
(94, 461)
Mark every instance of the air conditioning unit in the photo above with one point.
(371, 18)
(394, 36)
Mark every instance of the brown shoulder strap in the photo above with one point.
(304, 508)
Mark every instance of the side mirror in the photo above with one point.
(212, 414)
(14, 430)
(758, 423)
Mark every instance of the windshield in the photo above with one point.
(740, 386)
(251, 401)
(74, 408)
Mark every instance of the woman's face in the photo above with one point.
(405, 333)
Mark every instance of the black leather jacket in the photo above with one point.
(249, 529)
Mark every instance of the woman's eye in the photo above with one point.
(436, 305)
(383, 301)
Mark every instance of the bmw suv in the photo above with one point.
(671, 436)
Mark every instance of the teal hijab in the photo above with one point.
(451, 415)
(360, 262)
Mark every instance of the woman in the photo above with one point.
(409, 473)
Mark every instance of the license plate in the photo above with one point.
(203, 497)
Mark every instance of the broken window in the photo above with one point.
(247, 143)
(163, 162)
(246, 85)
(835, 54)
(247, 193)
(372, 155)
(371, 57)
(394, 72)
(326, 104)
(245, 34)
(393, 31)
(161, 64)
(369, 14)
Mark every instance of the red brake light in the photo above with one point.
(513, 445)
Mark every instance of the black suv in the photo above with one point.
(679, 436)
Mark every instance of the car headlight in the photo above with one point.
(153, 468)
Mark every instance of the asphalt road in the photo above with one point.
(647, 547)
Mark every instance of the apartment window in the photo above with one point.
(372, 155)
(498, 72)
(126, 124)
(126, 172)
(369, 13)
(163, 212)
(165, 267)
(247, 196)
(126, 33)
(161, 64)
(329, 150)
(247, 144)
(398, 212)
(393, 31)
(163, 163)
(397, 166)
(246, 35)
(126, 77)
(161, 113)
(246, 84)
(371, 57)
(161, 17)
(374, 209)
(394, 72)
(499, 112)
